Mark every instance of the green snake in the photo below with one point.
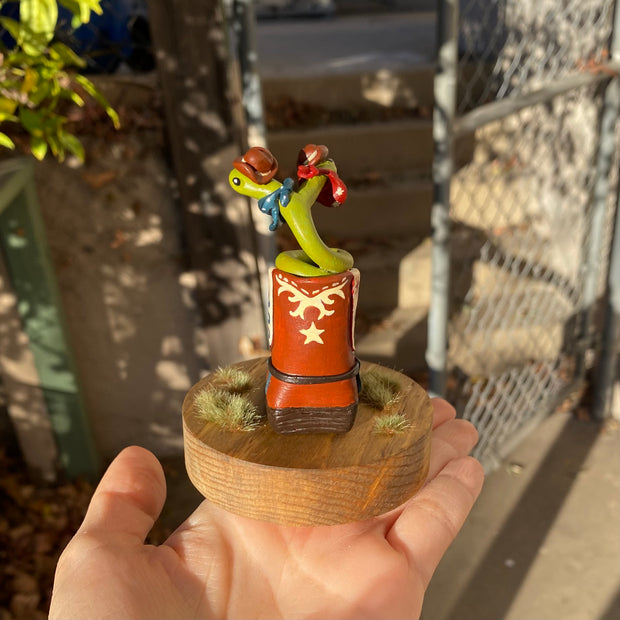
(314, 258)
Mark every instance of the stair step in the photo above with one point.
(396, 276)
(393, 147)
(508, 319)
(362, 43)
(490, 351)
(384, 88)
(381, 210)
(359, 150)
(480, 350)
(399, 341)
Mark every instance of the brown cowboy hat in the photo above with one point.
(257, 164)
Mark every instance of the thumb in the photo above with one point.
(129, 497)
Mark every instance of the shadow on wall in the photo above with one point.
(114, 240)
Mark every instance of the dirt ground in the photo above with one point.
(36, 523)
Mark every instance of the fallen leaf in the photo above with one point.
(119, 239)
(98, 179)
(43, 543)
(24, 583)
(24, 606)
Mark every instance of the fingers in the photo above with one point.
(432, 519)
(443, 411)
(129, 497)
(450, 439)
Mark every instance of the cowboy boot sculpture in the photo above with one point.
(313, 375)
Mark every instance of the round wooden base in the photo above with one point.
(320, 479)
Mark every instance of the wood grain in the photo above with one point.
(321, 479)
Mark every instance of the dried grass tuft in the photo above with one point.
(378, 390)
(391, 424)
(232, 379)
(231, 412)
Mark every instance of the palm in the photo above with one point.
(254, 569)
(219, 565)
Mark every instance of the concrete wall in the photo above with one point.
(115, 244)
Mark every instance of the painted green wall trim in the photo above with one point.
(24, 247)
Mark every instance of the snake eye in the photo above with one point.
(236, 181)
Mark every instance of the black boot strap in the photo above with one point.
(313, 379)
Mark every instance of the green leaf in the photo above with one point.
(7, 107)
(91, 89)
(4, 117)
(6, 141)
(57, 149)
(55, 87)
(42, 91)
(29, 83)
(81, 10)
(72, 144)
(31, 120)
(75, 98)
(38, 146)
(32, 43)
(39, 16)
(38, 20)
(78, 20)
(66, 55)
(12, 27)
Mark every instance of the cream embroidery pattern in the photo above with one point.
(318, 298)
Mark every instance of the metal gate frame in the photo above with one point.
(448, 126)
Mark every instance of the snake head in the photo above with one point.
(253, 173)
(246, 186)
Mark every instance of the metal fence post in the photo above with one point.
(443, 119)
(243, 28)
(604, 161)
(611, 331)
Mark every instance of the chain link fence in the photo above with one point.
(530, 216)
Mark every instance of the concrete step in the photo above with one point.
(491, 350)
(408, 87)
(394, 275)
(396, 272)
(345, 45)
(392, 148)
(344, 7)
(359, 150)
(383, 209)
(399, 341)
(508, 321)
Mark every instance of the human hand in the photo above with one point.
(221, 565)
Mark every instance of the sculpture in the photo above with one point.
(313, 380)
(345, 440)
